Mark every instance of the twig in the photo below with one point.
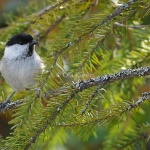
(130, 26)
(49, 71)
(49, 94)
(123, 74)
(129, 73)
(10, 105)
(91, 98)
(53, 26)
(49, 8)
(100, 42)
(145, 96)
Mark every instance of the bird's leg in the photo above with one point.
(9, 97)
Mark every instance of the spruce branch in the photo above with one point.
(113, 111)
(105, 82)
(117, 12)
(132, 26)
(123, 74)
(141, 133)
(102, 80)
(10, 105)
(50, 120)
(49, 71)
(49, 8)
(58, 21)
(91, 98)
(145, 96)
(101, 41)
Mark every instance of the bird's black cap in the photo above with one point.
(21, 39)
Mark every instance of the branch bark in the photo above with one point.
(101, 81)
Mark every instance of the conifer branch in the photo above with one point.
(49, 71)
(53, 26)
(91, 98)
(117, 12)
(145, 96)
(139, 134)
(50, 120)
(11, 105)
(138, 138)
(100, 42)
(132, 26)
(100, 86)
(49, 8)
(102, 80)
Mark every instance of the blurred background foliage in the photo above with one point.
(70, 32)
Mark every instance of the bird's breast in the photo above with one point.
(19, 73)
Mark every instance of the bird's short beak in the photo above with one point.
(33, 42)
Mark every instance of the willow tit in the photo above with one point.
(20, 63)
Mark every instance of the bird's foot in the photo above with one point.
(4, 104)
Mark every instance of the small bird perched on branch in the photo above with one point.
(20, 63)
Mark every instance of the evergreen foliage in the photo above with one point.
(84, 44)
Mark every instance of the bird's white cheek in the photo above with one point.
(15, 51)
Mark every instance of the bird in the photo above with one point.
(20, 63)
